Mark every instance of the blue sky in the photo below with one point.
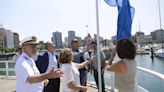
(42, 17)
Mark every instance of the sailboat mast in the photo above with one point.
(87, 27)
(160, 22)
(159, 14)
(98, 46)
(139, 27)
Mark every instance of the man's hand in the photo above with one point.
(55, 74)
(42, 77)
(84, 89)
(108, 67)
(93, 58)
(46, 81)
(87, 48)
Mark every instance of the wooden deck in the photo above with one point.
(8, 85)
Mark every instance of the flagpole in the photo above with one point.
(98, 46)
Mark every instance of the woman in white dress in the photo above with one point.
(71, 79)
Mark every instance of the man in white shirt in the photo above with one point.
(45, 63)
(95, 66)
(79, 58)
(28, 77)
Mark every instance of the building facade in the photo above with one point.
(57, 39)
(140, 37)
(3, 36)
(16, 40)
(2, 42)
(71, 36)
(9, 39)
(158, 35)
(87, 39)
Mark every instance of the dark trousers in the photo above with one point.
(97, 79)
(83, 76)
(53, 85)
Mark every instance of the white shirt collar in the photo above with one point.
(26, 56)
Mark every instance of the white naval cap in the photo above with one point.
(28, 40)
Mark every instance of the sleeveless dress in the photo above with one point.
(71, 74)
(126, 82)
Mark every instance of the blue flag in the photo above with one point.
(125, 17)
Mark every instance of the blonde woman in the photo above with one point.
(71, 79)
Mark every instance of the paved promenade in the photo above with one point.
(8, 85)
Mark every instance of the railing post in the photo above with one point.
(7, 69)
(112, 84)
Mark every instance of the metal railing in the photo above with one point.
(6, 69)
(159, 75)
(10, 68)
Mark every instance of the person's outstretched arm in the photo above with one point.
(83, 64)
(41, 77)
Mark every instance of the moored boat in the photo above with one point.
(159, 53)
(141, 51)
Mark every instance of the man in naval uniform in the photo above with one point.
(28, 76)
